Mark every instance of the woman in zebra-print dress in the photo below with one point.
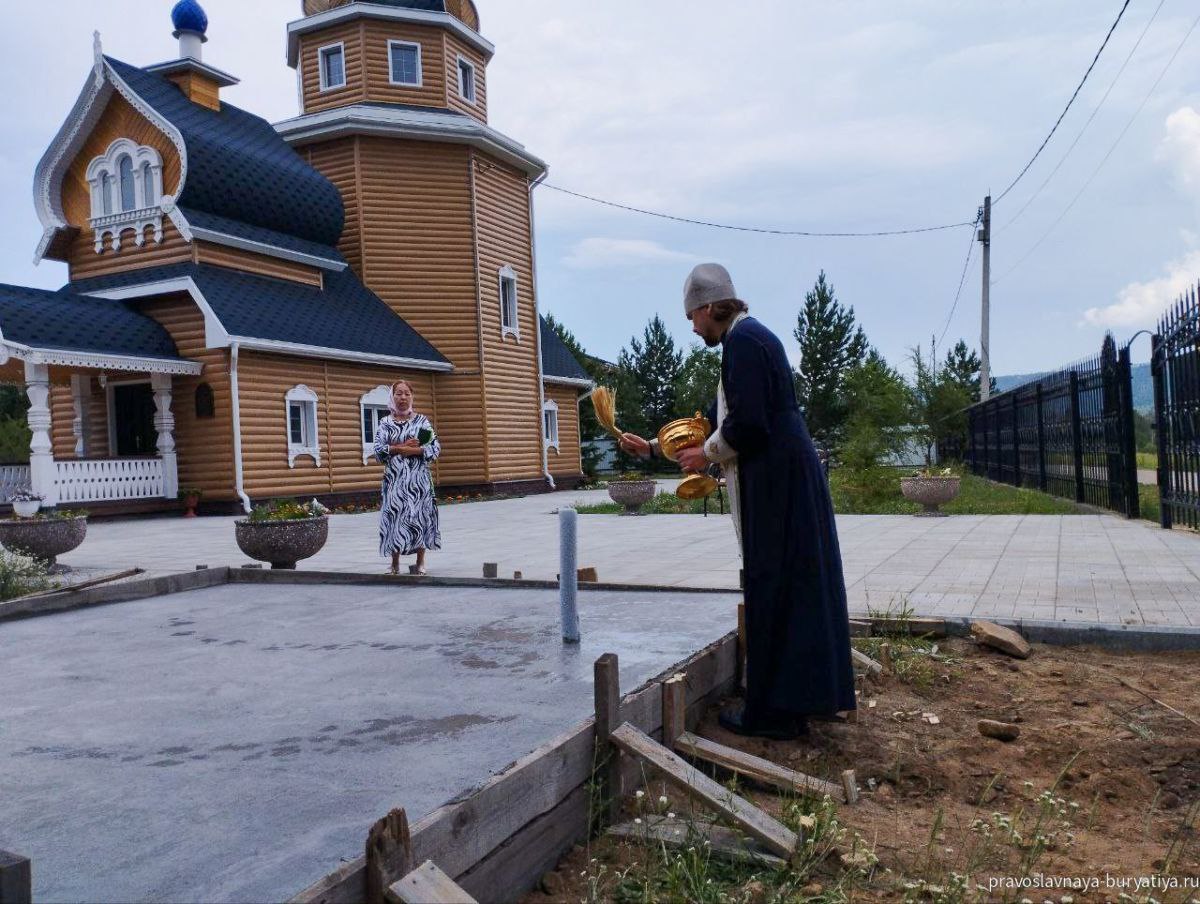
(408, 517)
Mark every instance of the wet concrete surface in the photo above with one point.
(235, 743)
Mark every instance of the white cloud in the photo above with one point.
(593, 253)
(1139, 304)
(1181, 148)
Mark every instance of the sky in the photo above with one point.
(796, 115)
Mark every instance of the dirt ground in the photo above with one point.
(1101, 789)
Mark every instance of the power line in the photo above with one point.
(756, 229)
(961, 282)
(1058, 122)
(1104, 160)
(1112, 85)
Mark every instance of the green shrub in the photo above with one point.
(21, 575)
(286, 510)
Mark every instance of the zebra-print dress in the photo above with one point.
(408, 516)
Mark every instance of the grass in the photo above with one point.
(1147, 461)
(978, 497)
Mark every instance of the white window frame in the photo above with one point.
(510, 326)
(379, 397)
(550, 426)
(310, 445)
(392, 45)
(462, 87)
(322, 52)
(105, 171)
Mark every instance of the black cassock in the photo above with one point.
(797, 624)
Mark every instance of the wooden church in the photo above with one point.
(242, 295)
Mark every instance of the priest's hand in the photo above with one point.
(693, 460)
(632, 444)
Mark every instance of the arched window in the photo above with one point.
(149, 198)
(205, 405)
(128, 194)
(127, 188)
(302, 424)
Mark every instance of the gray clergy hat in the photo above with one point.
(707, 284)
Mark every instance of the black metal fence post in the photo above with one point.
(1076, 436)
(1157, 373)
(1133, 504)
(1041, 438)
(1016, 432)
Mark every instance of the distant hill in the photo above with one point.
(1143, 385)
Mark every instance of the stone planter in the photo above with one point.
(44, 539)
(632, 494)
(930, 492)
(282, 543)
(26, 508)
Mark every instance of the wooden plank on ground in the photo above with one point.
(681, 833)
(777, 837)
(863, 661)
(755, 767)
(429, 885)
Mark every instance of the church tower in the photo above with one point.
(439, 222)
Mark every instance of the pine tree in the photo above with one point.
(831, 345)
(650, 369)
(962, 367)
(696, 387)
(589, 426)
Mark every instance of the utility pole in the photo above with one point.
(985, 336)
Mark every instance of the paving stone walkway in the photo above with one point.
(1078, 568)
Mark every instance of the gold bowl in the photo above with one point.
(686, 433)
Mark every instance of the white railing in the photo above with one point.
(12, 477)
(102, 480)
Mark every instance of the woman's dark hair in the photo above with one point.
(724, 311)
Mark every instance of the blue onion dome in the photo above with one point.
(188, 15)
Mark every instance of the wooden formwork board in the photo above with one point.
(497, 841)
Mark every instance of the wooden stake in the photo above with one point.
(16, 879)
(674, 704)
(428, 885)
(389, 854)
(778, 838)
(850, 785)
(608, 717)
(755, 767)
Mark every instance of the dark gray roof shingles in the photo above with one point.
(557, 360)
(344, 316)
(63, 320)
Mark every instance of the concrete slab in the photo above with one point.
(233, 743)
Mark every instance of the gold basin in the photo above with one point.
(687, 433)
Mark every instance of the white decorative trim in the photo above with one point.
(418, 125)
(234, 241)
(508, 275)
(575, 382)
(102, 360)
(420, 82)
(379, 397)
(216, 336)
(322, 51)
(552, 437)
(146, 211)
(473, 100)
(48, 177)
(352, 11)
(307, 399)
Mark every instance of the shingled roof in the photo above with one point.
(64, 321)
(557, 360)
(344, 317)
(239, 168)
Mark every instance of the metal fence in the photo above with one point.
(1175, 364)
(1070, 434)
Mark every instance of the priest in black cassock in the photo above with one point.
(797, 625)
